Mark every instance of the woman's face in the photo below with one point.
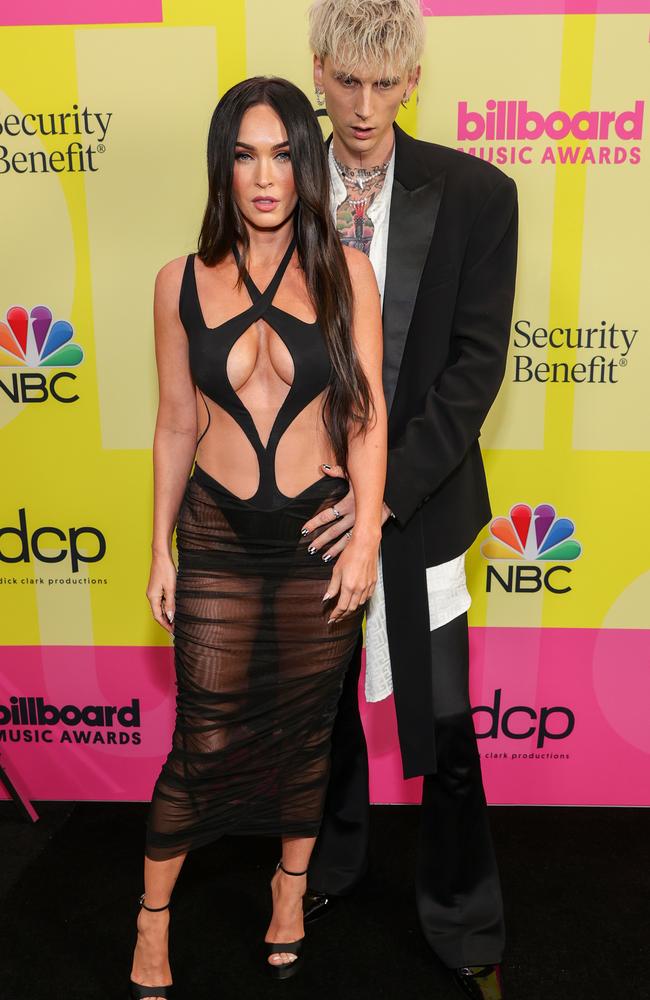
(262, 185)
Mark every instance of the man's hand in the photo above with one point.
(341, 517)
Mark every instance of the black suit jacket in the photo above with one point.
(448, 295)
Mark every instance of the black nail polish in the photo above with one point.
(311, 550)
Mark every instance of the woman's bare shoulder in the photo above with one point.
(168, 280)
(358, 263)
(172, 271)
(359, 266)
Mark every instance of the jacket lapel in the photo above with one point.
(414, 206)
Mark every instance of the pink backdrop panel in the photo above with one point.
(478, 8)
(546, 677)
(82, 676)
(561, 715)
(31, 12)
(35, 12)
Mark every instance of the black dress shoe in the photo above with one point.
(316, 904)
(480, 982)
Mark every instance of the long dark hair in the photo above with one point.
(348, 398)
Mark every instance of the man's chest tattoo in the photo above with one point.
(354, 225)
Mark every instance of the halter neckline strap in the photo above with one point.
(277, 277)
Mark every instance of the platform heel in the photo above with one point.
(286, 969)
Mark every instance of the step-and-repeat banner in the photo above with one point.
(104, 110)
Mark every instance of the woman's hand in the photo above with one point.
(353, 577)
(341, 517)
(161, 589)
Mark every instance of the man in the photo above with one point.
(440, 228)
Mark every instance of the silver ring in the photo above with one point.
(336, 512)
(349, 532)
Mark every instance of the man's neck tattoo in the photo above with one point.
(360, 176)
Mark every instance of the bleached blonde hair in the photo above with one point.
(375, 33)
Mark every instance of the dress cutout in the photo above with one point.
(212, 347)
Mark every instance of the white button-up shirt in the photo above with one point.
(446, 583)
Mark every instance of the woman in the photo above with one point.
(268, 380)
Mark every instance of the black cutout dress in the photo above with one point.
(258, 669)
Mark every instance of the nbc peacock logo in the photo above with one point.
(528, 536)
(30, 340)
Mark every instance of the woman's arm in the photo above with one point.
(355, 572)
(174, 443)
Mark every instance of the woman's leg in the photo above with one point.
(150, 958)
(287, 890)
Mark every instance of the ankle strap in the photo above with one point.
(152, 909)
(282, 868)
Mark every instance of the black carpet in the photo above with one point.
(576, 884)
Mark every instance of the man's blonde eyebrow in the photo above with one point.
(341, 74)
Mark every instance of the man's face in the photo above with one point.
(362, 106)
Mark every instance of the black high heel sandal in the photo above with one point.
(138, 992)
(286, 969)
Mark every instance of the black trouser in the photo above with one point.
(457, 886)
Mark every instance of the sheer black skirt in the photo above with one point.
(258, 671)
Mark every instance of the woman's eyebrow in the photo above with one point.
(246, 145)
